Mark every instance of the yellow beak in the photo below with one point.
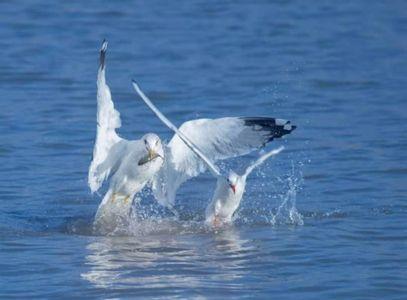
(151, 154)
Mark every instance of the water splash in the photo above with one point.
(287, 212)
(270, 200)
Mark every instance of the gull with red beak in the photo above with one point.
(227, 197)
(229, 190)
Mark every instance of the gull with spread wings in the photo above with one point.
(129, 165)
(218, 139)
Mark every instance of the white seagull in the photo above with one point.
(128, 164)
(229, 190)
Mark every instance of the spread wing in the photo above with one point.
(218, 139)
(108, 120)
(199, 143)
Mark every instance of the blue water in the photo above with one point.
(326, 219)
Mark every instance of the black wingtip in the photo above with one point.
(272, 128)
(103, 54)
(135, 85)
(104, 46)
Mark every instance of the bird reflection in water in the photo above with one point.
(176, 260)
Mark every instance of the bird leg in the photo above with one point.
(216, 222)
(113, 197)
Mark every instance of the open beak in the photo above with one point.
(233, 187)
(149, 157)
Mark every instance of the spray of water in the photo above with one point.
(287, 212)
(271, 199)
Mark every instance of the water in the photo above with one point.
(323, 220)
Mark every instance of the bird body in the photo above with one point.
(125, 183)
(229, 193)
(130, 176)
(225, 202)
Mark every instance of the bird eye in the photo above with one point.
(156, 142)
(145, 142)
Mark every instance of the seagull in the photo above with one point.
(229, 190)
(128, 164)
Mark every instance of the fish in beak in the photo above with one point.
(149, 157)
(233, 187)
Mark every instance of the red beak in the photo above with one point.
(233, 187)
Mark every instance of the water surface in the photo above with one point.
(338, 71)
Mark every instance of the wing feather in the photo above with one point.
(218, 139)
(108, 120)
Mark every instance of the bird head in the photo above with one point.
(154, 148)
(233, 179)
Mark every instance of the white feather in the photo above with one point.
(108, 120)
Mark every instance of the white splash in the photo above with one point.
(287, 212)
